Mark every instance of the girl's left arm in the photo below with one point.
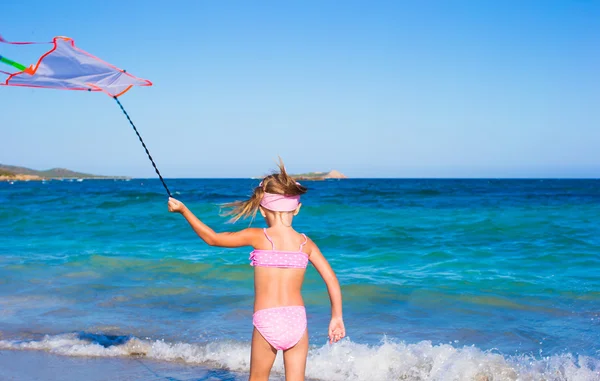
(337, 330)
(246, 237)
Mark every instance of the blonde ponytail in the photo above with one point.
(276, 183)
(245, 209)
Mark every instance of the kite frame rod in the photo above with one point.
(143, 145)
(12, 63)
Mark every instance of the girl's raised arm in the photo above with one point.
(336, 327)
(246, 237)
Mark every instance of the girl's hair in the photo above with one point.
(276, 183)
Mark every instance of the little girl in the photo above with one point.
(279, 258)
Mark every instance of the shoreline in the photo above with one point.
(58, 360)
(27, 178)
(16, 365)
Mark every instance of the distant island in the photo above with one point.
(14, 173)
(320, 175)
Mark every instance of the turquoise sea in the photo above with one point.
(441, 279)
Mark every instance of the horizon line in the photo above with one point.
(354, 178)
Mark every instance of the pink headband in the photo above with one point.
(279, 202)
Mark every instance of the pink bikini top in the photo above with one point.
(279, 258)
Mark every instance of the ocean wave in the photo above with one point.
(346, 360)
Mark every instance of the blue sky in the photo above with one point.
(371, 88)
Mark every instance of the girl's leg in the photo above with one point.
(261, 358)
(294, 360)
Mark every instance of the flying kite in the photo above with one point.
(67, 67)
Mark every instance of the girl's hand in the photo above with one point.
(336, 330)
(176, 206)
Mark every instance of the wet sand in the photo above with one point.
(44, 366)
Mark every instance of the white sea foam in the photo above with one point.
(346, 360)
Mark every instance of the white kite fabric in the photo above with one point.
(70, 68)
(67, 67)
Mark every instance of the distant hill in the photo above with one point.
(9, 171)
(4, 172)
(320, 175)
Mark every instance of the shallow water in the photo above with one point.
(440, 277)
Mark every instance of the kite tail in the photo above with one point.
(144, 145)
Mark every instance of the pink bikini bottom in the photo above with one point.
(282, 327)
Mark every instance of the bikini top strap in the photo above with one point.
(305, 241)
(269, 238)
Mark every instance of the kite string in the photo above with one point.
(144, 145)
